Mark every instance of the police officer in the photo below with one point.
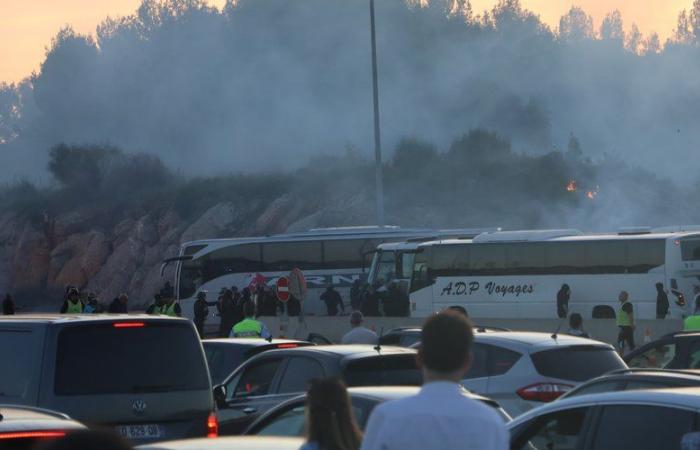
(201, 311)
(625, 321)
(249, 327)
(157, 305)
(72, 303)
(692, 323)
(170, 307)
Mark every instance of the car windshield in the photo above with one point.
(154, 357)
(223, 359)
(577, 363)
(384, 370)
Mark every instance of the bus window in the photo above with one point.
(690, 249)
(488, 259)
(525, 259)
(421, 276)
(385, 269)
(343, 254)
(190, 278)
(606, 257)
(645, 254)
(285, 256)
(405, 265)
(565, 257)
(450, 260)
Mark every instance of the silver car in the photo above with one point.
(522, 370)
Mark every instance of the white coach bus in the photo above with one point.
(336, 256)
(517, 274)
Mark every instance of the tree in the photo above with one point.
(652, 44)
(576, 26)
(695, 21)
(634, 40)
(611, 29)
(683, 34)
(10, 112)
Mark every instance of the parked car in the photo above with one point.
(630, 379)
(639, 420)
(228, 443)
(272, 377)
(680, 350)
(226, 354)
(22, 427)
(145, 376)
(522, 370)
(408, 336)
(287, 419)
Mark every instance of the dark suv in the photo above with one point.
(680, 350)
(275, 376)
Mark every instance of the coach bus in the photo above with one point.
(330, 256)
(517, 274)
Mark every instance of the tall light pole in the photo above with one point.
(377, 137)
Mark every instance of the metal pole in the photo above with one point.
(377, 138)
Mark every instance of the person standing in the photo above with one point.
(563, 301)
(227, 311)
(119, 305)
(576, 326)
(171, 307)
(155, 307)
(333, 300)
(692, 323)
(356, 295)
(439, 416)
(72, 304)
(396, 302)
(359, 334)
(8, 306)
(92, 306)
(330, 422)
(201, 310)
(662, 303)
(250, 327)
(625, 321)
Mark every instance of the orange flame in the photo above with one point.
(571, 187)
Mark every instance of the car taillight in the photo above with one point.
(32, 435)
(212, 426)
(129, 325)
(287, 345)
(543, 392)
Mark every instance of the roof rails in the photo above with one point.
(652, 369)
(525, 235)
(628, 231)
(676, 228)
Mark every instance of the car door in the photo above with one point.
(249, 393)
(560, 430)
(640, 427)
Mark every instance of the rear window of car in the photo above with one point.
(577, 363)
(103, 359)
(384, 370)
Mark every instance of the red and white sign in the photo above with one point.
(283, 289)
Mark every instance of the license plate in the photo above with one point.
(140, 431)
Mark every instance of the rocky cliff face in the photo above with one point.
(38, 258)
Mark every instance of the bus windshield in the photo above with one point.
(383, 267)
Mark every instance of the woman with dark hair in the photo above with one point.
(330, 422)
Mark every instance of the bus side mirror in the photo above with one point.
(220, 395)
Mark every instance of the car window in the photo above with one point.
(577, 363)
(479, 367)
(390, 339)
(663, 428)
(289, 423)
(644, 384)
(91, 359)
(408, 340)
(556, 431)
(657, 357)
(501, 360)
(19, 363)
(298, 373)
(384, 370)
(594, 388)
(694, 355)
(257, 378)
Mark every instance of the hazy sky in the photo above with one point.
(26, 27)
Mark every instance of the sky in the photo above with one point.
(26, 27)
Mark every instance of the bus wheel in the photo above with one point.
(603, 312)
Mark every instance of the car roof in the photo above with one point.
(348, 351)
(26, 418)
(228, 443)
(251, 342)
(87, 318)
(384, 392)
(685, 398)
(653, 373)
(536, 341)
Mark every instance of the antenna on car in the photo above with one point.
(556, 332)
(378, 347)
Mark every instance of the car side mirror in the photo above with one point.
(220, 395)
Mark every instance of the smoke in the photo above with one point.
(267, 84)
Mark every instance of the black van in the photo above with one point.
(144, 376)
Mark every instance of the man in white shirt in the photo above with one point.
(359, 334)
(439, 416)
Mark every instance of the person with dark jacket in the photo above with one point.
(228, 312)
(396, 302)
(662, 303)
(563, 301)
(370, 302)
(333, 300)
(8, 306)
(356, 295)
(119, 305)
(201, 310)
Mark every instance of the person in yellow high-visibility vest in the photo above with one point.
(249, 327)
(72, 303)
(692, 323)
(625, 321)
